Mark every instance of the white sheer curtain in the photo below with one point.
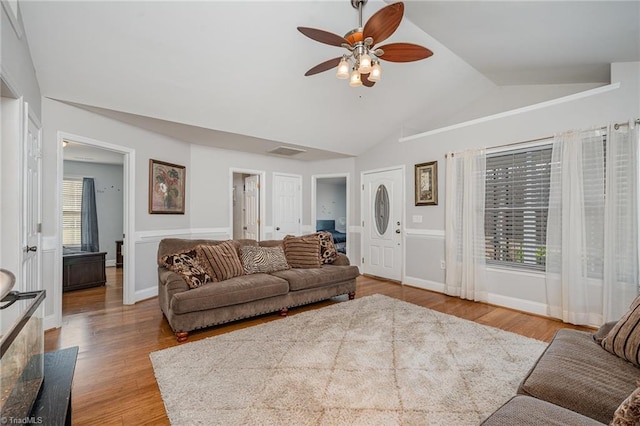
(592, 240)
(464, 225)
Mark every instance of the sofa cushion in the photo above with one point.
(328, 252)
(242, 289)
(526, 411)
(221, 260)
(300, 279)
(574, 372)
(302, 252)
(263, 259)
(175, 245)
(188, 266)
(628, 413)
(624, 338)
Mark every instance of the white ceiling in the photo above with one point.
(231, 73)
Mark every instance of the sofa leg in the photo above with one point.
(352, 295)
(182, 336)
(283, 312)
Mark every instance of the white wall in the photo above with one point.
(109, 201)
(15, 62)
(425, 241)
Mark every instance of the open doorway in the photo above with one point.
(93, 204)
(127, 272)
(247, 204)
(330, 207)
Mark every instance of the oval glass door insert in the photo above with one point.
(381, 209)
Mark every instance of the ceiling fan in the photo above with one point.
(361, 65)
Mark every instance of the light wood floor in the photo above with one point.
(114, 382)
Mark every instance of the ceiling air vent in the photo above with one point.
(285, 150)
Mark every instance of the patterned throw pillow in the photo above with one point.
(302, 252)
(220, 261)
(628, 413)
(187, 265)
(263, 259)
(624, 338)
(328, 252)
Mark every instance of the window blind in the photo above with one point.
(516, 206)
(71, 207)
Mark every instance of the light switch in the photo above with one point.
(417, 218)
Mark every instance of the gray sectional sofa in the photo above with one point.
(574, 382)
(188, 309)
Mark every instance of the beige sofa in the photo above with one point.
(574, 382)
(188, 309)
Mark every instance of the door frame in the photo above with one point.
(261, 191)
(403, 203)
(314, 183)
(129, 198)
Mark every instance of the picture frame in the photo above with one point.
(166, 187)
(426, 184)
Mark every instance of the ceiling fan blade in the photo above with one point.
(365, 80)
(384, 22)
(323, 36)
(326, 65)
(404, 52)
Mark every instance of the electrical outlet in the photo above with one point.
(443, 265)
(417, 218)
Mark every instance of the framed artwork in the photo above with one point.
(427, 184)
(166, 188)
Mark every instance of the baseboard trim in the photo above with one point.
(424, 284)
(110, 263)
(528, 306)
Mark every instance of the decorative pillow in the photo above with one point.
(624, 338)
(220, 261)
(328, 252)
(302, 252)
(263, 259)
(628, 413)
(188, 266)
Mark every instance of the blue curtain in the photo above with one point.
(89, 217)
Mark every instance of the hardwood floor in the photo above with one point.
(114, 382)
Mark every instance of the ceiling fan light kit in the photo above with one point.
(362, 64)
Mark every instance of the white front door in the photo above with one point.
(287, 196)
(31, 234)
(383, 194)
(251, 213)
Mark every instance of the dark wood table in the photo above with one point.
(53, 405)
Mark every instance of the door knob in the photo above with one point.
(397, 231)
(32, 248)
(277, 228)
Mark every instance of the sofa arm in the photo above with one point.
(172, 282)
(341, 260)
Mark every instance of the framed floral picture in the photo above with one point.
(427, 184)
(166, 187)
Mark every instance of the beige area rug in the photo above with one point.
(369, 361)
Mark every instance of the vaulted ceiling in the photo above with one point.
(231, 73)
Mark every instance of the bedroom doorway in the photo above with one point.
(247, 204)
(127, 248)
(330, 207)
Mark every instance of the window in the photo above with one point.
(71, 205)
(516, 206)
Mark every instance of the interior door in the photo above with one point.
(287, 196)
(31, 235)
(251, 213)
(382, 207)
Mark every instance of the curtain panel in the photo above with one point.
(464, 225)
(592, 233)
(89, 217)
